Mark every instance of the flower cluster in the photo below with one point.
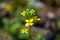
(24, 30)
(30, 19)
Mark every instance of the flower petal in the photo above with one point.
(22, 31)
(31, 20)
(38, 19)
(23, 13)
(27, 24)
(31, 24)
(26, 20)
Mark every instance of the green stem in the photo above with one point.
(29, 33)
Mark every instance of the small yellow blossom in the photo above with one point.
(23, 13)
(36, 18)
(24, 30)
(29, 22)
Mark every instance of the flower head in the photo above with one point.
(24, 30)
(29, 22)
(23, 13)
(36, 18)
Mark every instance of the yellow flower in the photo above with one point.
(9, 7)
(36, 18)
(23, 13)
(29, 22)
(24, 30)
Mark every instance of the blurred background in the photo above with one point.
(48, 28)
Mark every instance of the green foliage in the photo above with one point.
(57, 37)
